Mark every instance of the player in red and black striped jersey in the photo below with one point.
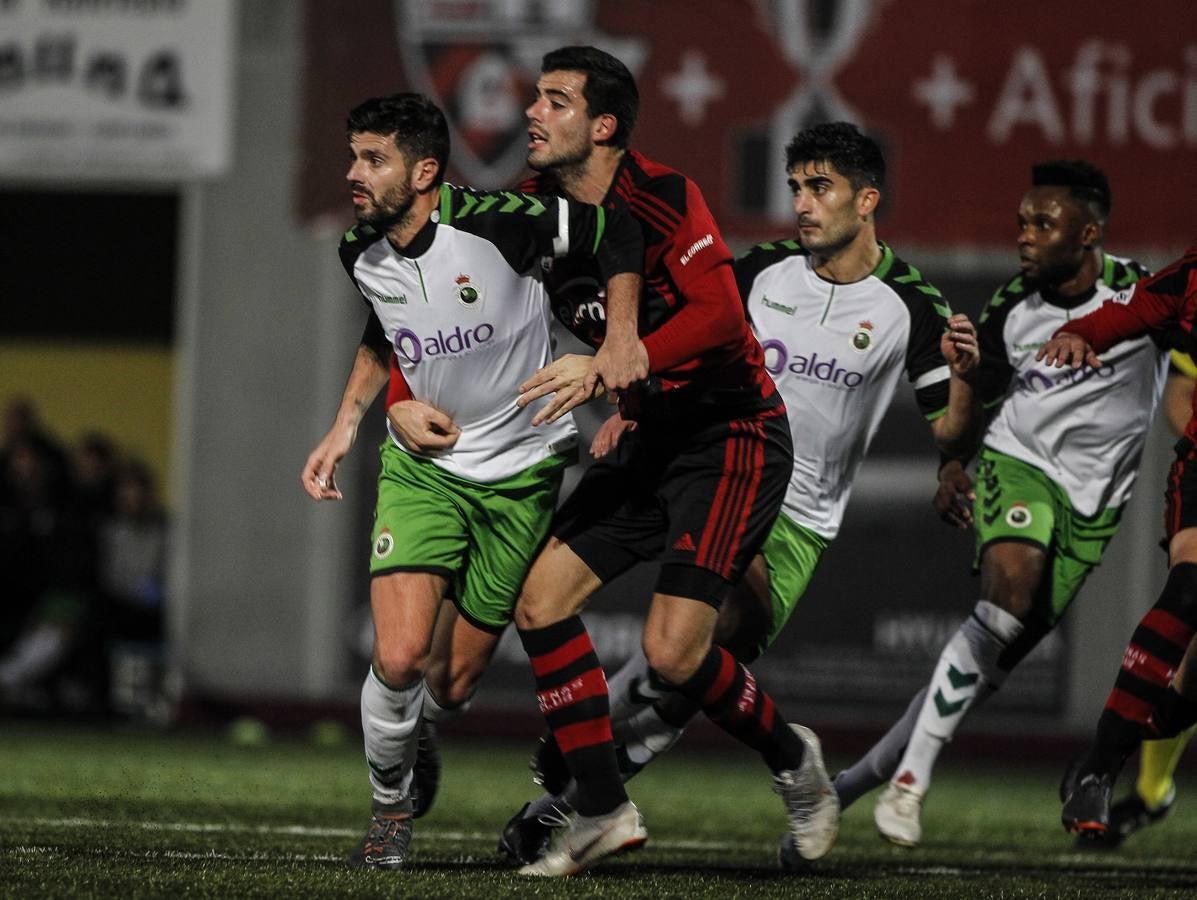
(1155, 692)
(697, 485)
(690, 317)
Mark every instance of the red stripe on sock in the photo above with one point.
(768, 712)
(727, 672)
(1168, 626)
(589, 684)
(583, 734)
(1128, 706)
(1146, 666)
(569, 652)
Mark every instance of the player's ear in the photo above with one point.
(1090, 234)
(423, 173)
(867, 199)
(604, 128)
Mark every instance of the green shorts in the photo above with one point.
(791, 553)
(1018, 502)
(482, 537)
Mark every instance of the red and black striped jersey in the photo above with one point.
(1156, 303)
(692, 319)
(1160, 303)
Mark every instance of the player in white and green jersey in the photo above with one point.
(841, 319)
(1056, 466)
(453, 279)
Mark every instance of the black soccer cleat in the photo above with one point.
(789, 858)
(426, 772)
(1127, 816)
(387, 839)
(548, 766)
(524, 838)
(1087, 804)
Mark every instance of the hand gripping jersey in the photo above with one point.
(836, 352)
(1165, 302)
(691, 318)
(1083, 428)
(465, 310)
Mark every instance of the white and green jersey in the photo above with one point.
(466, 313)
(836, 352)
(1084, 429)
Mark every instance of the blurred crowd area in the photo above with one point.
(83, 548)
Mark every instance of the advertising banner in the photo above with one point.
(103, 90)
(964, 97)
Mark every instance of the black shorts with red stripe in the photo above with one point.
(695, 490)
(1180, 495)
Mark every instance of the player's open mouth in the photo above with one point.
(535, 140)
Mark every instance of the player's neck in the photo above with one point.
(852, 262)
(404, 231)
(1081, 282)
(590, 181)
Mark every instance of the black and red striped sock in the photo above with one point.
(572, 692)
(731, 698)
(1148, 666)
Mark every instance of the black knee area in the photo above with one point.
(692, 582)
(1179, 596)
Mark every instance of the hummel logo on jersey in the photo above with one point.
(780, 307)
(383, 298)
(685, 543)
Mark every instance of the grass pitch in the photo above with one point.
(93, 813)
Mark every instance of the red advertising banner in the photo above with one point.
(964, 97)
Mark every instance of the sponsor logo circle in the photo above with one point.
(1018, 516)
(384, 545)
(407, 345)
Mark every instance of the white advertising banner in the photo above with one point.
(128, 90)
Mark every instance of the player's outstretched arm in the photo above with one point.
(622, 360)
(1067, 349)
(366, 379)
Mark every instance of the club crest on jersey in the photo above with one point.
(384, 545)
(468, 293)
(862, 337)
(1019, 516)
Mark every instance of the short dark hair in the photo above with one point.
(610, 88)
(417, 124)
(855, 156)
(1086, 183)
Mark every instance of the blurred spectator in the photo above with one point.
(94, 468)
(132, 578)
(49, 656)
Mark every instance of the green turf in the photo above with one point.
(87, 813)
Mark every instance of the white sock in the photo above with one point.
(645, 736)
(967, 673)
(633, 688)
(434, 712)
(390, 726)
(878, 765)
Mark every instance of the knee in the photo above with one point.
(672, 662)
(453, 689)
(399, 664)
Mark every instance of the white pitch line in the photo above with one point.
(423, 833)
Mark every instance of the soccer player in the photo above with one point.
(1154, 792)
(1155, 693)
(841, 318)
(696, 485)
(467, 485)
(1057, 463)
